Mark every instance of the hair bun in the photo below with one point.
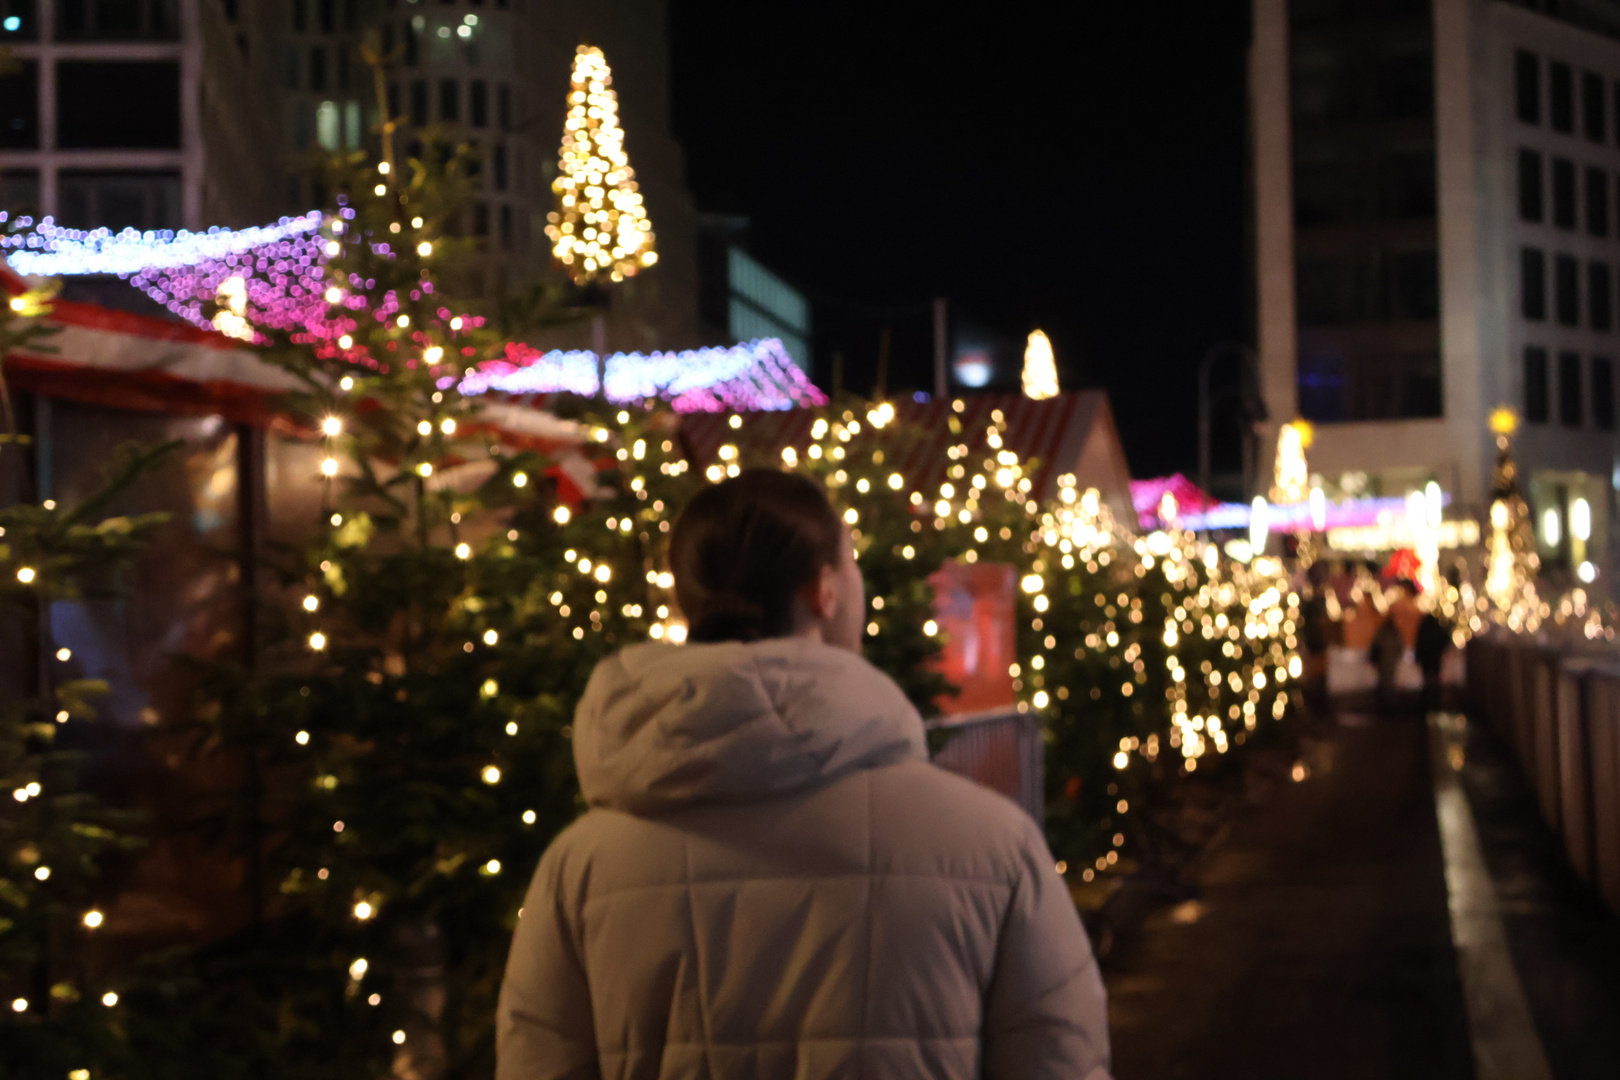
(729, 617)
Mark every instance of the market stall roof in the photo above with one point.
(118, 359)
(1070, 433)
(1148, 497)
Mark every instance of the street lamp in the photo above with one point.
(1254, 409)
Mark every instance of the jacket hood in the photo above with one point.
(664, 726)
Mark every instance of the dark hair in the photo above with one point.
(742, 548)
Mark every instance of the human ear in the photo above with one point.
(827, 590)
(820, 595)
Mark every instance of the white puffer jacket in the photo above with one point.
(774, 882)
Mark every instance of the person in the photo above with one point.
(772, 880)
(1430, 651)
(1317, 622)
(1385, 653)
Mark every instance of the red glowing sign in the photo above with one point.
(976, 607)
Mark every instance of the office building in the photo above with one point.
(189, 113)
(740, 299)
(1436, 193)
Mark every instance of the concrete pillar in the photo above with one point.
(1271, 137)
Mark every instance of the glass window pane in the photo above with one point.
(1561, 79)
(1603, 393)
(1597, 201)
(1530, 198)
(1563, 176)
(1527, 84)
(1594, 107)
(118, 104)
(1535, 385)
(1569, 389)
(19, 107)
(1567, 290)
(1533, 283)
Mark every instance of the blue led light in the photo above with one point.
(12, 24)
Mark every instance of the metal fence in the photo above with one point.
(1560, 712)
(1003, 751)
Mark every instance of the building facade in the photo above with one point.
(1437, 232)
(740, 299)
(189, 113)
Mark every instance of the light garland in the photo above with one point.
(753, 376)
(600, 226)
(275, 277)
(47, 249)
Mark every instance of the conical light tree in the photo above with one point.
(600, 227)
(1040, 377)
(1291, 476)
(1511, 559)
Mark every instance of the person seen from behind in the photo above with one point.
(1433, 639)
(772, 880)
(1385, 654)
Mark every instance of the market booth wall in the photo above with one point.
(240, 481)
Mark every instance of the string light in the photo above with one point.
(754, 376)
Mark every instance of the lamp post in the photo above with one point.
(1253, 407)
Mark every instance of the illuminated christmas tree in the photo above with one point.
(1511, 560)
(1291, 477)
(600, 227)
(1040, 377)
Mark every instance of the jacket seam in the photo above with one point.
(686, 886)
(605, 1051)
(702, 961)
(866, 986)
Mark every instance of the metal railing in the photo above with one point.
(1003, 751)
(1559, 711)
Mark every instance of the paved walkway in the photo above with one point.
(1321, 942)
(1320, 945)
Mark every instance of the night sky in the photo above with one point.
(1077, 167)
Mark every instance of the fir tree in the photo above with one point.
(60, 1014)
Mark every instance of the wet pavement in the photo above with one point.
(1564, 943)
(1319, 943)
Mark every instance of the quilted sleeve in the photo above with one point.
(1046, 1013)
(543, 1024)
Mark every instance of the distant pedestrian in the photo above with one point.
(1430, 650)
(1318, 621)
(1385, 653)
(772, 880)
